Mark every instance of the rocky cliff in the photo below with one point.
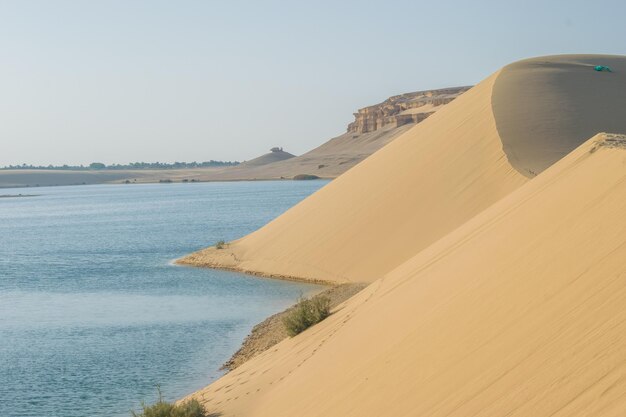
(402, 109)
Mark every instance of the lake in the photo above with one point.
(92, 312)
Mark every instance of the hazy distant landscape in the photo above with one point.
(133, 165)
(373, 127)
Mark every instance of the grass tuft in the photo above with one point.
(162, 408)
(306, 313)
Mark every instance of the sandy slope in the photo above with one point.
(268, 158)
(421, 186)
(328, 160)
(438, 174)
(341, 153)
(547, 106)
(493, 294)
(518, 312)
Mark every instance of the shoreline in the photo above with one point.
(161, 182)
(18, 195)
(271, 331)
(292, 278)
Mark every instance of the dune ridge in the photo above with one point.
(545, 107)
(438, 174)
(517, 312)
(422, 185)
(497, 263)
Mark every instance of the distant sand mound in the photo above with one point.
(435, 176)
(518, 312)
(276, 155)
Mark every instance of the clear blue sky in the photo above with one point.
(120, 81)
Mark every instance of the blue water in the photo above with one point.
(92, 312)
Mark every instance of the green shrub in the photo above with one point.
(306, 313)
(161, 408)
(220, 244)
(305, 177)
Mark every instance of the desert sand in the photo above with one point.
(518, 312)
(494, 290)
(425, 183)
(275, 155)
(272, 330)
(430, 180)
(374, 127)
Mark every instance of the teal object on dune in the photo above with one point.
(602, 68)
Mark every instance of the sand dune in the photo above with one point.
(494, 292)
(434, 177)
(276, 155)
(374, 127)
(421, 186)
(518, 312)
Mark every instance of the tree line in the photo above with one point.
(132, 165)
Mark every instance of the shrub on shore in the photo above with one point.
(305, 177)
(306, 313)
(162, 408)
(220, 244)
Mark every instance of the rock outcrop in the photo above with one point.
(402, 109)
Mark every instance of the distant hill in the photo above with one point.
(373, 127)
(275, 155)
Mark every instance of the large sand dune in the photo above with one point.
(518, 312)
(497, 286)
(421, 186)
(434, 177)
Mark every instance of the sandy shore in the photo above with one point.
(271, 331)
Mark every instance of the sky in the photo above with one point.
(120, 81)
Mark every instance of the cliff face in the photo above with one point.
(402, 109)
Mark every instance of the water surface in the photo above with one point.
(92, 312)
